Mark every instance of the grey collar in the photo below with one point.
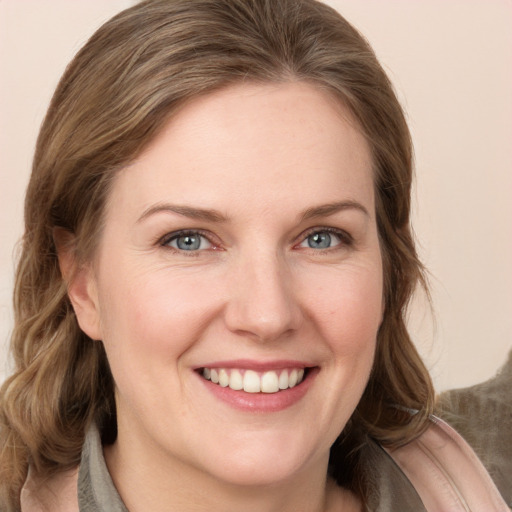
(96, 491)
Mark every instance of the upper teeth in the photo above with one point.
(255, 382)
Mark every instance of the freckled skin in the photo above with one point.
(259, 155)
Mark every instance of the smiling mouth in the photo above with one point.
(250, 381)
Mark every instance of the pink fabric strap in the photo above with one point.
(58, 494)
(446, 473)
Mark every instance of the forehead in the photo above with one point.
(265, 144)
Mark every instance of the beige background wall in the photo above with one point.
(451, 62)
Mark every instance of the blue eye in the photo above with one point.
(321, 240)
(190, 241)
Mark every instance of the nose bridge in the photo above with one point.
(262, 302)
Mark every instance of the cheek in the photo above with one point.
(348, 307)
(155, 313)
(150, 321)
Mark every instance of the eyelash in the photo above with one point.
(346, 240)
(168, 238)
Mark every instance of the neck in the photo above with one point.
(148, 483)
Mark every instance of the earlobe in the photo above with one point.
(81, 283)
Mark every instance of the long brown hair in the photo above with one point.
(116, 94)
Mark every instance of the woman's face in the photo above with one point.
(241, 247)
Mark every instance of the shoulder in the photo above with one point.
(57, 493)
(482, 414)
(446, 472)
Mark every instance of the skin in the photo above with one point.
(260, 156)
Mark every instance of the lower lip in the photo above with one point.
(262, 402)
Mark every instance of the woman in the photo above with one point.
(216, 265)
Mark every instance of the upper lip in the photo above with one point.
(251, 364)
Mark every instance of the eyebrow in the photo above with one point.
(185, 211)
(325, 210)
(210, 215)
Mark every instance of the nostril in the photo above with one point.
(264, 326)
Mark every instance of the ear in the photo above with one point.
(81, 283)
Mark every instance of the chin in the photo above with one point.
(258, 473)
(262, 464)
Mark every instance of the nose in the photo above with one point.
(263, 304)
